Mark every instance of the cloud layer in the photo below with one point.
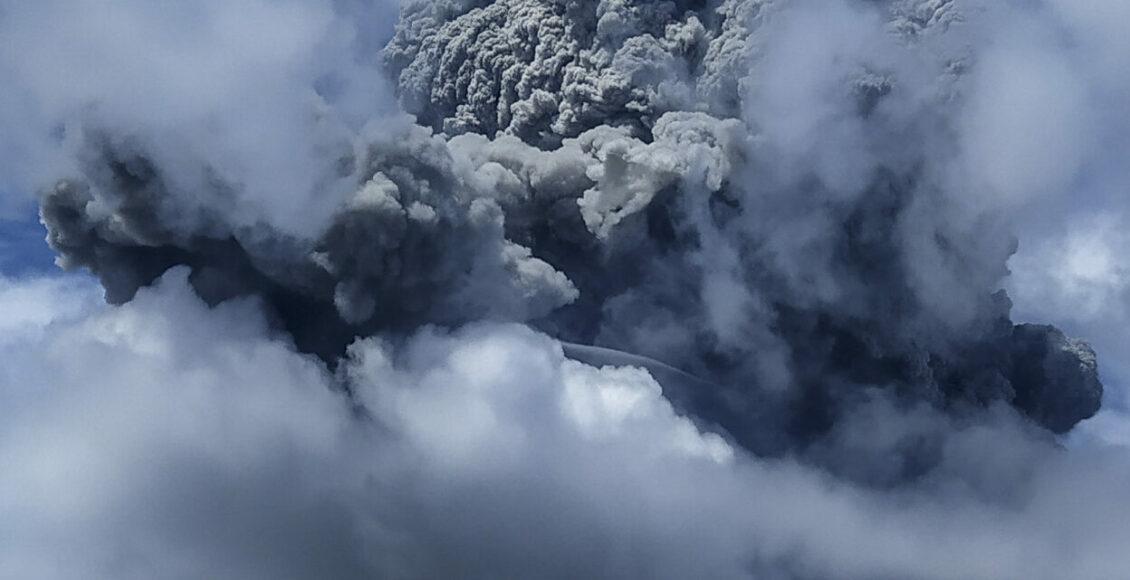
(168, 438)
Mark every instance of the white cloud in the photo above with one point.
(166, 438)
(1083, 274)
(263, 96)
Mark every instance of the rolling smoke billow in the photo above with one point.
(561, 289)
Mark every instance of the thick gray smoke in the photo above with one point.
(698, 183)
(488, 270)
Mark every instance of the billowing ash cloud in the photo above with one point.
(547, 70)
(611, 288)
(701, 184)
(410, 245)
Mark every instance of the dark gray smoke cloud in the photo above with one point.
(604, 283)
(699, 183)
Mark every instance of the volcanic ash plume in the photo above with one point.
(703, 184)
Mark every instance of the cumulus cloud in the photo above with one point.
(259, 96)
(1081, 274)
(139, 473)
(168, 438)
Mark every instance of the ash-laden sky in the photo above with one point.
(770, 289)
